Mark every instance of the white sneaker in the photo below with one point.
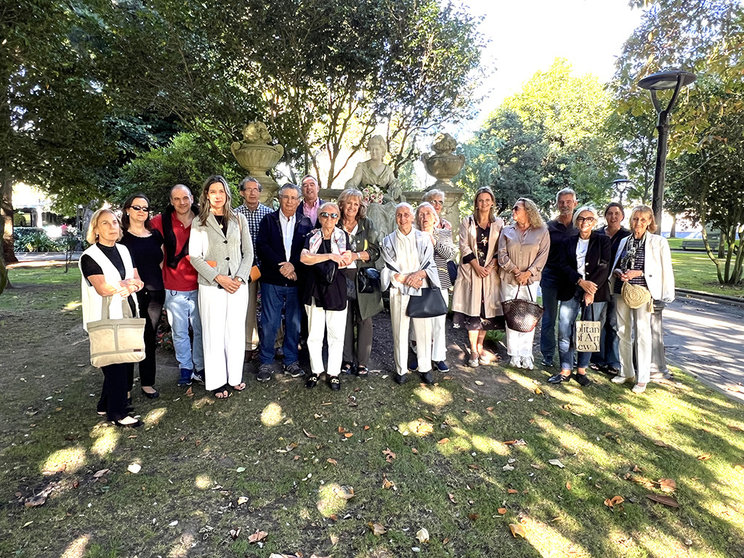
(516, 362)
(528, 363)
(620, 379)
(639, 388)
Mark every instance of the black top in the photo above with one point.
(327, 296)
(147, 254)
(558, 235)
(615, 240)
(89, 266)
(596, 267)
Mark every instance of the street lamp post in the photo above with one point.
(671, 79)
(621, 186)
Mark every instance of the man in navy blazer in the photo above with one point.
(280, 239)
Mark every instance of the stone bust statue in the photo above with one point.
(373, 172)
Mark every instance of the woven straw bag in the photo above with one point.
(635, 296)
(521, 315)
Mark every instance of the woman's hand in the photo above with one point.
(228, 283)
(346, 258)
(479, 270)
(415, 280)
(628, 275)
(522, 277)
(588, 299)
(129, 286)
(589, 287)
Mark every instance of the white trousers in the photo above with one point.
(421, 330)
(517, 343)
(223, 335)
(251, 318)
(322, 323)
(634, 325)
(439, 338)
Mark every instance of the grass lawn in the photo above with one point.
(355, 473)
(695, 271)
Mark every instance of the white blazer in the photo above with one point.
(657, 266)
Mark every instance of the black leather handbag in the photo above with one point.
(429, 304)
(368, 280)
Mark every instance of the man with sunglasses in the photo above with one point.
(253, 211)
(279, 242)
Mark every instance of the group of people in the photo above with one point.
(315, 264)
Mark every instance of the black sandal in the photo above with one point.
(347, 368)
(362, 371)
(221, 393)
(312, 381)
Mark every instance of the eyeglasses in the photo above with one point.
(587, 219)
(140, 208)
(327, 215)
(436, 202)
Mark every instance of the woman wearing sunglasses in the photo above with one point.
(586, 264)
(145, 245)
(326, 250)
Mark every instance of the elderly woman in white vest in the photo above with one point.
(409, 266)
(643, 259)
(107, 271)
(221, 251)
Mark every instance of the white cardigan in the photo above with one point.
(92, 301)
(657, 266)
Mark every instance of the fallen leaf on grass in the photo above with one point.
(478, 383)
(366, 427)
(473, 516)
(538, 391)
(308, 434)
(387, 484)
(134, 468)
(502, 511)
(569, 486)
(614, 501)
(98, 474)
(334, 539)
(242, 500)
(443, 441)
(451, 497)
(332, 461)
(667, 485)
(414, 450)
(510, 442)
(512, 491)
(341, 430)
(377, 529)
(234, 533)
(556, 462)
(666, 500)
(257, 536)
(348, 435)
(544, 412)
(660, 444)
(517, 529)
(704, 456)
(345, 492)
(389, 455)
(422, 535)
(735, 427)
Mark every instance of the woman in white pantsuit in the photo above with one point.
(326, 250)
(642, 259)
(409, 266)
(221, 251)
(523, 251)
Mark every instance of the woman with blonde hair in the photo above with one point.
(475, 301)
(221, 251)
(523, 250)
(365, 249)
(107, 271)
(643, 259)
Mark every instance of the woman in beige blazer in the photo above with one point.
(475, 301)
(221, 251)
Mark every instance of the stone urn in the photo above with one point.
(258, 156)
(443, 164)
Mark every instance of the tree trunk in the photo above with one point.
(6, 212)
(673, 232)
(6, 175)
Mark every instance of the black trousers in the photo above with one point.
(113, 399)
(151, 307)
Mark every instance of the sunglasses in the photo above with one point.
(327, 215)
(140, 208)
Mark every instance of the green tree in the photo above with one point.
(545, 138)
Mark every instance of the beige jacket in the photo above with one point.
(212, 254)
(469, 288)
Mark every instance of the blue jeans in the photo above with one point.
(609, 344)
(567, 326)
(549, 289)
(182, 308)
(274, 298)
